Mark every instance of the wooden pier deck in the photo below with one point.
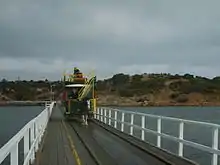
(68, 143)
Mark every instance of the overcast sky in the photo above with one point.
(42, 38)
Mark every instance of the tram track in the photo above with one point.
(127, 139)
(89, 150)
(165, 157)
(140, 156)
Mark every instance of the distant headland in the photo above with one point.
(128, 90)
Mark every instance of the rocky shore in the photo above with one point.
(112, 100)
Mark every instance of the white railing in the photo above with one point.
(105, 115)
(32, 133)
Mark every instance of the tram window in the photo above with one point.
(72, 94)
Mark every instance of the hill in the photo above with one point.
(159, 90)
(28, 90)
(126, 90)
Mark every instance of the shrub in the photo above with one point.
(182, 98)
(174, 95)
(125, 93)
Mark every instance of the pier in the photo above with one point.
(109, 139)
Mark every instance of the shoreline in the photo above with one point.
(21, 103)
(42, 103)
(162, 105)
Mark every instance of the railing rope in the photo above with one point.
(180, 139)
(36, 128)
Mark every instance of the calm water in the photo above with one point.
(206, 114)
(12, 119)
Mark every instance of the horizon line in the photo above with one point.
(101, 79)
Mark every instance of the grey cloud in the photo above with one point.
(113, 33)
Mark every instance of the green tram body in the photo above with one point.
(75, 108)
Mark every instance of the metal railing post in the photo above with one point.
(105, 117)
(95, 114)
(26, 143)
(215, 146)
(36, 133)
(101, 115)
(14, 154)
(159, 131)
(115, 119)
(142, 126)
(109, 117)
(33, 135)
(181, 131)
(122, 121)
(98, 114)
(132, 122)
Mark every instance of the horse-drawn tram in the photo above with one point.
(79, 96)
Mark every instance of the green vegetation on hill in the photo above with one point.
(28, 90)
(153, 83)
(163, 89)
(122, 89)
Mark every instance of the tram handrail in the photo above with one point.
(103, 114)
(90, 76)
(32, 133)
(85, 89)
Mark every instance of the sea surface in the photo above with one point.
(12, 119)
(206, 114)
